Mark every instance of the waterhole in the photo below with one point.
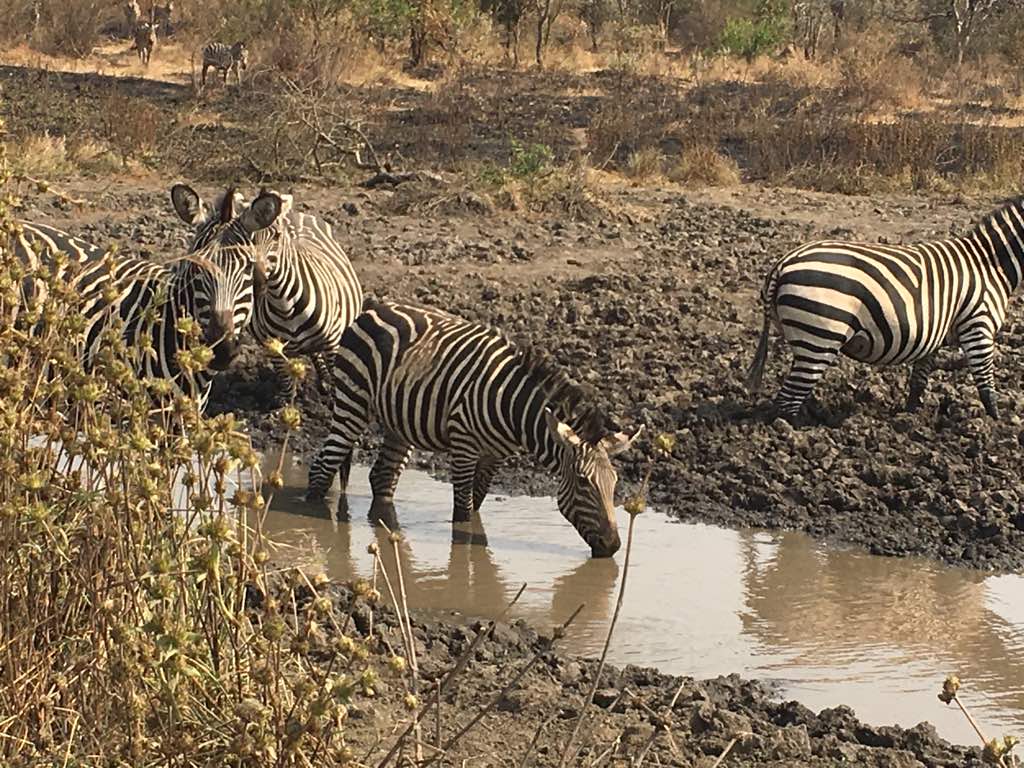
(828, 625)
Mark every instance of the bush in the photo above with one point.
(704, 165)
(529, 161)
(70, 28)
(749, 39)
(141, 618)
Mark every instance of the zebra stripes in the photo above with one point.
(887, 305)
(438, 382)
(214, 286)
(225, 58)
(145, 41)
(308, 291)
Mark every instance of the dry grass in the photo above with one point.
(43, 156)
(645, 165)
(704, 165)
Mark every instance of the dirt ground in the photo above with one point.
(636, 711)
(656, 309)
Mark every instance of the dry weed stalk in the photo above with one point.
(995, 751)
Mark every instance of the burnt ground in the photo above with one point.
(632, 710)
(654, 305)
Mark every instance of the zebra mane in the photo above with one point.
(572, 402)
(995, 216)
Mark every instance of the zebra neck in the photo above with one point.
(1001, 238)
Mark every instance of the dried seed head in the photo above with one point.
(635, 505)
(411, 702)
(397, 664)
(949, 688)
(665, 442)
(373, 548)
(297, 369)
(276, 480)
(274, 346)
(291, 417)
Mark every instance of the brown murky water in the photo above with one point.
(831, 626)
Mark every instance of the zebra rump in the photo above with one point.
(438, 382)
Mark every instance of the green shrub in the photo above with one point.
(529, 161)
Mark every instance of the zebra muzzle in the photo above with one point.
(606, 546)
(220, 335)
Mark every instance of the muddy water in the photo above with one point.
(830, 626)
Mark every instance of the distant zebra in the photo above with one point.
(214, 286)
(308, 292)
(225, 58)
(887, 304)
(438, 382)
(145, 41)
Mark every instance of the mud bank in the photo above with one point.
(654, 306)
(630, 712)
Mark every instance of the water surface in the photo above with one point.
(830, 625)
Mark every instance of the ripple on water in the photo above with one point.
(831, 626)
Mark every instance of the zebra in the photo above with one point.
(308, 291)
(145, 41)
(891, 304)
(442, 383)
(225, 58)
(214, 286)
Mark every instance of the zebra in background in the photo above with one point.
(886, 304)
(438, 382)
(214, 286)
(308, 292)
(145, 41)
(225, 58)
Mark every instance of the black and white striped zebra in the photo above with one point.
(308, 293)
(145, 41)
(889, 304)
(225, 58)
(438, 382)
(214, 286)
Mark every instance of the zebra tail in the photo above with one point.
(756, 372)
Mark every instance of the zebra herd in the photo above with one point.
(435, 381)
(144, 30)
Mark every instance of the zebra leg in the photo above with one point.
(323, 372)
(485, 469)
(463, 470)
(336, 454)
(393, 456)
(919, 381)
(287, 385)
(978, 345)
(809, 364)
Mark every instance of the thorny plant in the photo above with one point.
(994, 751)
(141, 622)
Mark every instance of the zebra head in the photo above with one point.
(206, 219)
(225, 272)
(586, 483)
(240, 54)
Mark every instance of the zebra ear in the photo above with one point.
(561, 431)
(187, 203)
(268, 208)
(619, 442)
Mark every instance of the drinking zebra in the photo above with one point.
(886, 304)
(145, 41)
(308, 293)
(438, 382)
(214, 286)
(225, 58)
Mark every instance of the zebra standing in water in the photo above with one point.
(308, 293)
(214, 286)
(885, 304)
(438, 382)
(145, 41)
(225, 58)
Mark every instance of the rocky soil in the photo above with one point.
(633, 709)
(654, 305)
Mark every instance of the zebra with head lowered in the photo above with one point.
(214, 286)
(438, 382)
(307, 290)
(225, 58)
(889, 304)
